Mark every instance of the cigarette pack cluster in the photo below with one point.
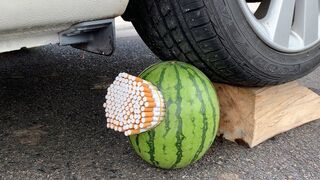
(133, 105)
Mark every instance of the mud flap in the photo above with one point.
(93, 36)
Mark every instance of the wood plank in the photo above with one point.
(254, 115)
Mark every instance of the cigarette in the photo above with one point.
(147, 114)
(145, 90)
(133, 132)
(148, 99)
(120, 129)
(145, 125)
(137, 79)
(146, 94)
(116, 123)
(150, 105)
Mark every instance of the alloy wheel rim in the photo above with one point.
(285, 25)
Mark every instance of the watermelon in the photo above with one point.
(191, 121)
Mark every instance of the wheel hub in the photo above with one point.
(285, 25)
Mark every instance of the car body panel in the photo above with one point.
(36, 22)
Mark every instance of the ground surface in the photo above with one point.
(52, 124)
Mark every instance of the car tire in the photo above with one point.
(215, 36)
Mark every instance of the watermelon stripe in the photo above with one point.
(161, 78)
(215, 127)
(151, 147)
(167, 121)
(137, 143)
(179, 134)
(160, 86)
(193, 120)
(204, 119)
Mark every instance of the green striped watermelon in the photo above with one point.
(191, 120)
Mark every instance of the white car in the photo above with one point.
(242, 42)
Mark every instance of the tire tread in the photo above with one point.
(184, 30)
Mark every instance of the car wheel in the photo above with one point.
(275, 42)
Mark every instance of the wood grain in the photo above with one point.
(254, 115)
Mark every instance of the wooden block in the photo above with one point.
(254, 115)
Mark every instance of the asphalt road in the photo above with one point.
(52, 124)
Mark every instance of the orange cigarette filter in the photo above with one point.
(147, 114)
(148, 99)
(133, 113)
(138, 79)
(147, 120)
(146, 95)
(145, 125)
(145, 88)
(150, 104)
(132, 132)
(144, 109)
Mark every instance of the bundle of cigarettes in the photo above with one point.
(133, 105)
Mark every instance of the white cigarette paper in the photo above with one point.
(133, 105)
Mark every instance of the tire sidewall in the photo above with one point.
(251, 50)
